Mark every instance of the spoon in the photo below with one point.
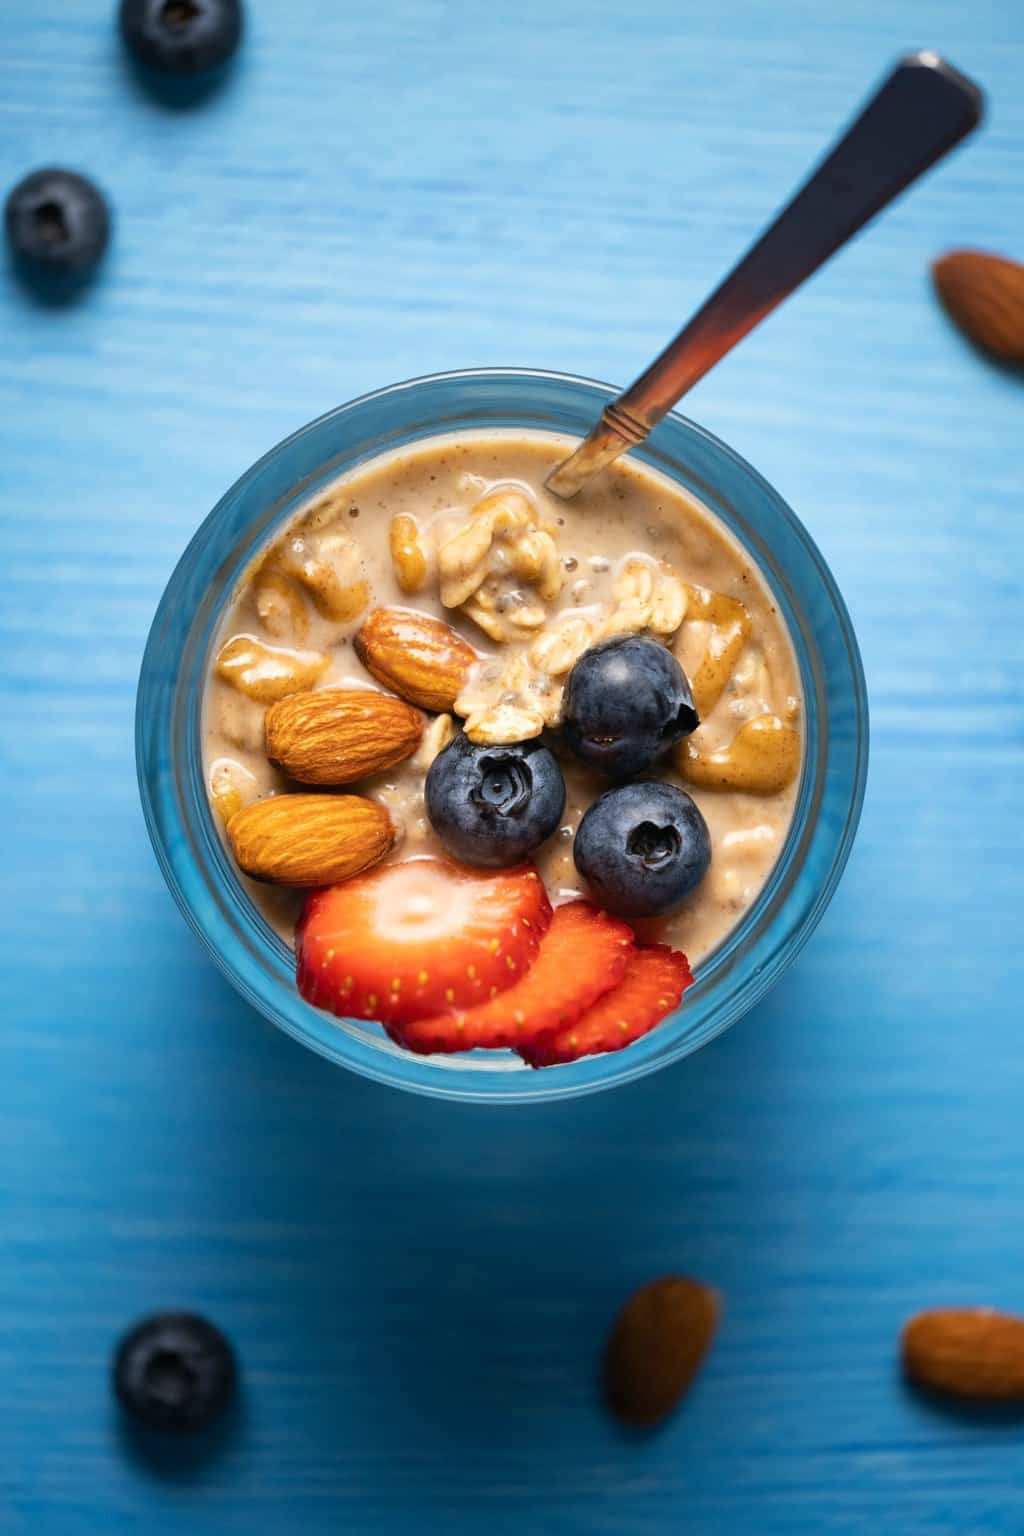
(921, 110)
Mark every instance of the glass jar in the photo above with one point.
(199, 870)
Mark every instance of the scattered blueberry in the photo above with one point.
(642, 848)
(182, 37)
(494, 805)
(57, 226)
(626, 702)
(174, 1371)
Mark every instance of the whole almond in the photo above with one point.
(657, 1345)
(420, 658)
(338, 735)
(310, 840)
(984, 294)
(971, 1352)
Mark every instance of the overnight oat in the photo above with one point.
(504, 768)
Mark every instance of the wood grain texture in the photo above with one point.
(419, 1292)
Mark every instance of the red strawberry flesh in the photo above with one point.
(408, 940)
(582, 954)
(653, 982)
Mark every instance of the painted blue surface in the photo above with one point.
(418, 1291)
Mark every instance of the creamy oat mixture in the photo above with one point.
(462, 528)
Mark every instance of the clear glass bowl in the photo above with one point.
(169, 716)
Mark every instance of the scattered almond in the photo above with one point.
(984, 294)
(657, 1345)
(420, 658)
(267, 672)
(338, 735)
(970, 1352)
(310, 840)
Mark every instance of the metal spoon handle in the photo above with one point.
(922, 109)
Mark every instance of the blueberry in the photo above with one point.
(182, 37)
(626, 702)
(494, 805)
(174, 1371)
(57, 226)
(642, 848)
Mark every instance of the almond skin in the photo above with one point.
(310, 840)
(984, 294)
(970, 1352)
(420, 658)
(657, 1345)
(338, 735)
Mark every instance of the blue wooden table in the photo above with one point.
(419, 1291)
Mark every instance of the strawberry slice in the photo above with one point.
(582, 954)
(409, 939)
(652, 984)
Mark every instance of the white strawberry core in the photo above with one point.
(414, 904)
